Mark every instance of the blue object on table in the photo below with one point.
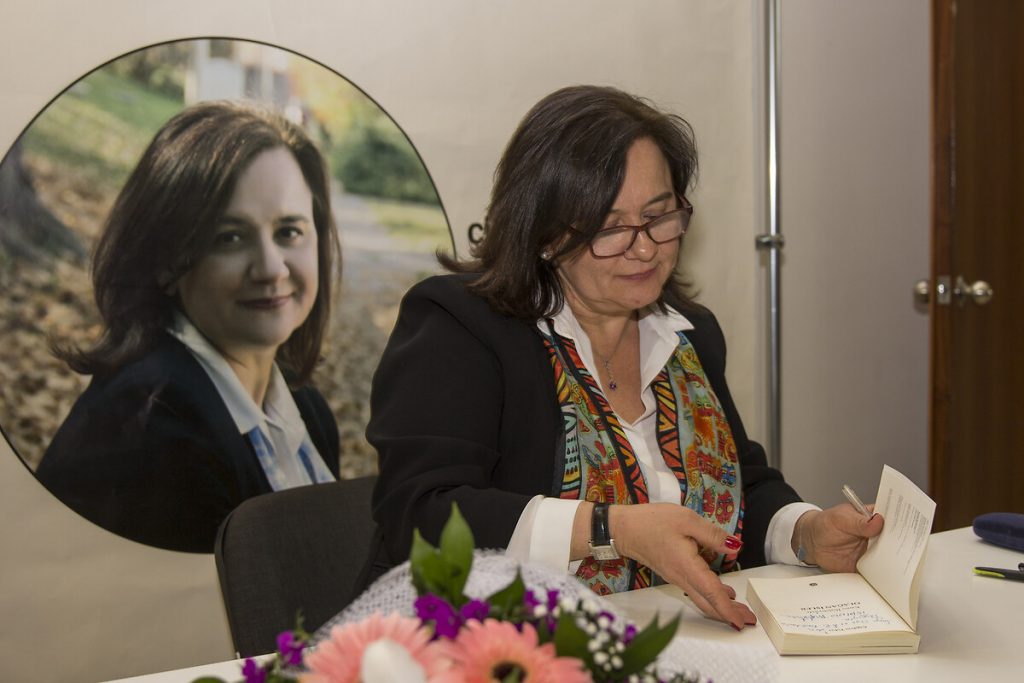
(1001, 528)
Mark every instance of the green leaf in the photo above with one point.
(429, 574)
(418, 553)
(443, 571)
(209, 679)
(507, 603)
(457, 550)
(543, 632)
(571, 640)
(300, 632)
(279, 677)
(434, 577)
(647, 645)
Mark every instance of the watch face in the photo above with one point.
(603, 553)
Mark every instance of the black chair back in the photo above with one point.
(304, 549)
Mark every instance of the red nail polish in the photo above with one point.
(733, 543)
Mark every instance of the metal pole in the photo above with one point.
(773, 240)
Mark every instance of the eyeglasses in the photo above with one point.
(665, 228)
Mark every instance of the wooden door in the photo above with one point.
(977, 351)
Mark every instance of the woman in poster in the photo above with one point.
(213, 278)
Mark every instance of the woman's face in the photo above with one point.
(622, 284)
(257, 282)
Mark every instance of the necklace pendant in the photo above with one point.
(612, 385)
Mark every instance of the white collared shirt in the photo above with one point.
(277, 431)
(543, 533)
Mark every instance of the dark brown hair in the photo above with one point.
(564, 166)
(164, 219)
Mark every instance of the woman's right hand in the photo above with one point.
(667, 538)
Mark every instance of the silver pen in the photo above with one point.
(855, 501)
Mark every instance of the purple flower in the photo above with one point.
(429, 608)
(531, 602)
(253, 672)
(629, 634)
(290, 648)
(475, 609)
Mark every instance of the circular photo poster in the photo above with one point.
(203, 245)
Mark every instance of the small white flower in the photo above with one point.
(601, 658)
(603, 621)
(617, 661)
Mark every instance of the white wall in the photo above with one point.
(854, 145)
(80, 604)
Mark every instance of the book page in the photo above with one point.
(827, 605)
(893, 560)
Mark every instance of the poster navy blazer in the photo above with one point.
(152, 453)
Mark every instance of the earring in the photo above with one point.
(546, 255)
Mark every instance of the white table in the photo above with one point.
(971, 626)
(228, 671)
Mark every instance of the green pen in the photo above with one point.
(996, 573)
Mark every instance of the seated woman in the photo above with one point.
(213, 278)
(563, 390)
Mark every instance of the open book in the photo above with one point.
(871, 611)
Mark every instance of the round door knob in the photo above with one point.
(922, 291)
(981, 292)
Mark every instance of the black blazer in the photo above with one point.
(464, 410)
(151, 452)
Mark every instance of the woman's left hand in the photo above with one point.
(834, 539)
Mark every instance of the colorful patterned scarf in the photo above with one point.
(600, 466)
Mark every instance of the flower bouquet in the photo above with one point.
(530, 626)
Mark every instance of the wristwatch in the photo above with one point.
(602, 545)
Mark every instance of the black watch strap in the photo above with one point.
(602, 546)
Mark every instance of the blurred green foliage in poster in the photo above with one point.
(376, 160)
(101, 125)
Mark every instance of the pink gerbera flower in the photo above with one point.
(490, 650)
(339, 658)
